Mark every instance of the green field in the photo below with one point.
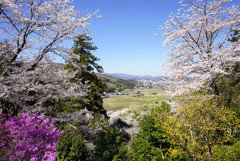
(117, 102)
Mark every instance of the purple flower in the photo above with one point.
(28, 137)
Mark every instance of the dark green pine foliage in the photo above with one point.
(88, 62)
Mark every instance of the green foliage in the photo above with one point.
(228, 88)
(116, 83)
(150, 143)
(235, 35)
(164, 108)
(200, 125)
(68, 105)
(108, 143)
(227, 152)
(87, 61)
(140, 148)
(71, 147)
(122, 154)
(83, 47)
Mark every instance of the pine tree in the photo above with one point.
(87, 62)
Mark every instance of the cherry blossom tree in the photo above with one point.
(198, 36)
(32, 35)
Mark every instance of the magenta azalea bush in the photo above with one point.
(28, 137)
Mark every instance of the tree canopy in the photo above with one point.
(31, 39)
(197, 35)
(88, 64)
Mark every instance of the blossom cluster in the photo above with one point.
(198, 37)
(28, 136)
(32, 37)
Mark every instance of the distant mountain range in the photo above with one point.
(133, 77)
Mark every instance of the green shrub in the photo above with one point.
(122, 154)
(227, 152)
(71, 147)
(200, 125)
(108, 143)
(149, 143)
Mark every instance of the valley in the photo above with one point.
(137, 99)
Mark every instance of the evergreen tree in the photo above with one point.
(87, 62)
(83, 47)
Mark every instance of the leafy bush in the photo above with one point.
(150, 143)
(228, 88)
(27, 137)
(71, 147)
(227, 152)
(200, 125)
(122, 154)
(108, 143)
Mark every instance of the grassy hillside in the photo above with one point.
(115, 83)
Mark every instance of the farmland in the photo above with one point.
(134, 101)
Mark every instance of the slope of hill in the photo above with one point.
(116, 83)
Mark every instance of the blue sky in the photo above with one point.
(125, 34)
